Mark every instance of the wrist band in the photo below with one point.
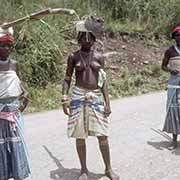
(64, 98)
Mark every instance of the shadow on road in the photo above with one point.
(160, 145)
(163, 145)
(62, 173)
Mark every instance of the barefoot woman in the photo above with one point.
(13, 100)
(171, 64)
(89, 106)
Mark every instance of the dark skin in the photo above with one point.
(171, 52)
(88, 78)
(5, 50)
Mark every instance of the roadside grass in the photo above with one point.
(125, 26)
(149, 79)
(43, 99)
(41, 45)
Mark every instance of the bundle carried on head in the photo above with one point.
(91, 24)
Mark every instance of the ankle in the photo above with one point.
(174, 138)
(108, 169)
(84, 171)
(111, 174)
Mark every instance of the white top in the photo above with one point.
(174, 63)
(4, 32)
(10, 85)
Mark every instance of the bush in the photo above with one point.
(41, 59)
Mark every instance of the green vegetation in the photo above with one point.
(44, 98)
(146, 80)
(42, 45)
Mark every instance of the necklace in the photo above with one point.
(86, 62)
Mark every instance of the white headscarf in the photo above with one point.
(8, 31)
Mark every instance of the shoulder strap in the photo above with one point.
(177, 50)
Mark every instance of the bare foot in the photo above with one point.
(111, 175)
(83, 176)
(173, 145)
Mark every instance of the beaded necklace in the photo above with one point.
(86, 62)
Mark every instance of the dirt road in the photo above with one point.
(138, 153)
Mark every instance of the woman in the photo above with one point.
(90, 106)
(171, 64)
(13, 101)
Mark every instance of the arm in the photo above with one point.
(24, 99)
(107, 108)
(66, 84)
(24, 96)
(105, 92)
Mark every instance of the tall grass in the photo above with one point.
(41, 46)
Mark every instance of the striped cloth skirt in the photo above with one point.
(172, 120)
(87, 114)
(13, 152)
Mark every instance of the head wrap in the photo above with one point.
(6, 34)
(174, 31)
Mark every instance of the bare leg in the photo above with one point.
(81, 150)
(174, 143)
(104, 147)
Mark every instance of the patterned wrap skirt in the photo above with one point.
(87, 114)
(13, 152)
(172, 120)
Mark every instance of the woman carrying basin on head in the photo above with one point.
(90, 106)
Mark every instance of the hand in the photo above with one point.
(66, 109)
(21, 108)
(174, 72)
(107, 111)
(24, 102)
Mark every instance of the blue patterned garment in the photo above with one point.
(172, 120)
(13, 152)
(87, 114)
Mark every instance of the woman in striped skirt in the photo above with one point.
(13, 100)
(171, 63)
(89, 106)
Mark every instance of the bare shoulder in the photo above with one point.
(170, 52)
(73, 55)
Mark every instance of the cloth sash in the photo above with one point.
(9, 116)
